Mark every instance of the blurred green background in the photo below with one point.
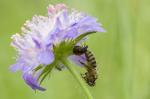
(123, 53)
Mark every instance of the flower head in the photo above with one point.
(45, 40)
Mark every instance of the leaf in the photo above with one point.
(38, 68)
(46, 71)
(82, 36)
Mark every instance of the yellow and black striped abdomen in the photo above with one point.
(90, 59)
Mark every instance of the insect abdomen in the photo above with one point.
(90, 59)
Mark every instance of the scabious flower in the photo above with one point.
(45, 41)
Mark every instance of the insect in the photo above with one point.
(79, 50)
(91, 75)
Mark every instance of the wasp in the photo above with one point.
(91, 75)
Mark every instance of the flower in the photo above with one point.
(45, 40)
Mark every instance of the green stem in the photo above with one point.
(78, 78)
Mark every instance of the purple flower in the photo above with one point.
(35, 43)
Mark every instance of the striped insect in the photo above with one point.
(91, 75)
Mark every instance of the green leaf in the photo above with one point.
(46, 71)
(38, 68)
(82, 36)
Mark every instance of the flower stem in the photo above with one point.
(78, 78)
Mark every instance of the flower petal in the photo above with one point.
(32, 81)
(80, 23)
(78, 59)
(20, 65)
(52, 10)
(16, 67)
(46, 57)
